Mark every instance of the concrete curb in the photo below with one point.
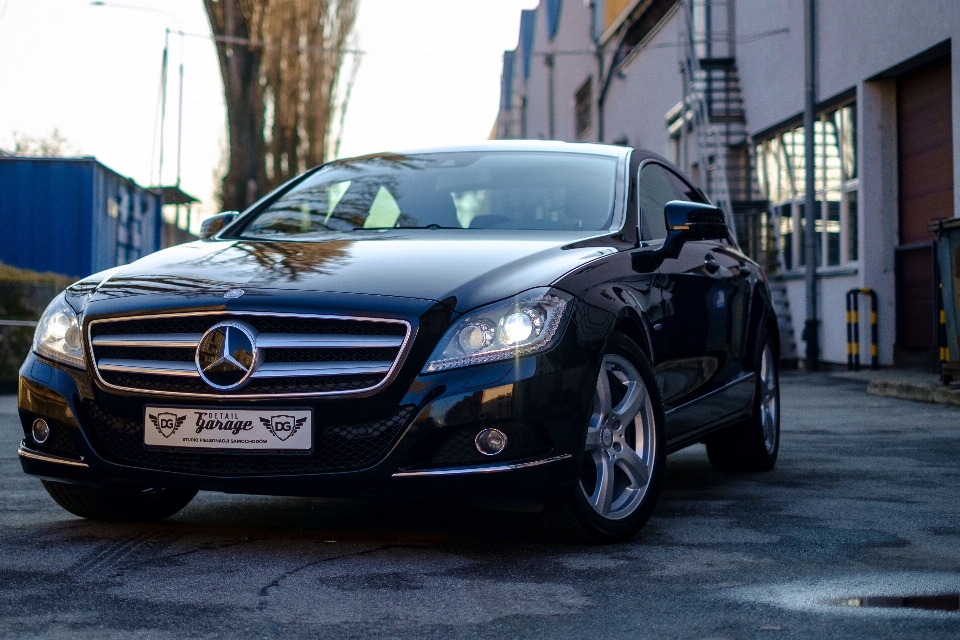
(936, 394)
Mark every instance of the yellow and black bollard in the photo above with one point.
(942, 329)
(853, 328)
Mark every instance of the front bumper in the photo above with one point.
(541, 402)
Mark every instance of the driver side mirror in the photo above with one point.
(692, 221)
(213, 226)
(685, 221)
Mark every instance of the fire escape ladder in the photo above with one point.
(713, 110)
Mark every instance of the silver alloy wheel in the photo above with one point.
(768, 399)
(621, 441)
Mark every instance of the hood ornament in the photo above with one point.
(227, 355)
(233, 294)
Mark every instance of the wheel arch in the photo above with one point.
(763, 318)
(631, 325)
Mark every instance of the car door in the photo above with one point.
(719, 285)
(727, 342)
(685, 288)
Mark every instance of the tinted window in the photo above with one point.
(487, 190)
(686, 191)
(655, 190)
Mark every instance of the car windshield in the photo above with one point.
(469, 190)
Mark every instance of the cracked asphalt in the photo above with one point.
(864, 502)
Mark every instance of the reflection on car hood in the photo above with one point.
(459, 268)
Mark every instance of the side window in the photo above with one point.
(655, 190)
(687, 192)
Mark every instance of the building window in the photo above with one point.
(782, 178)
(584, 101)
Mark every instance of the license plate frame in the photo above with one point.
(242, 430)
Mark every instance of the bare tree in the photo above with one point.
(54, 145)
(280, 61)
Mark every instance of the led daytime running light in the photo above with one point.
(538, 341)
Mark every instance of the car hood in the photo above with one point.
(460, 269)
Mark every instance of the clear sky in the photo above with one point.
(430, 76)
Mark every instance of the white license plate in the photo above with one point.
(231, 429)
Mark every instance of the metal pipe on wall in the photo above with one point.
(551, 125)
(598, 53)
(811, 329)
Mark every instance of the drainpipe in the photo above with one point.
(598, 52)
(811, 329)
(551, 127)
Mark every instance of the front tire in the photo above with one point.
(621, 472)
(144, 505)
(752, 445)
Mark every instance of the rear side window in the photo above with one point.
(656, 189)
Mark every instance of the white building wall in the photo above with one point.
(536, 86)
(771, 67)
(857, 40)
(879, 194)
(518, 93)
(648, 86)
(574, 64)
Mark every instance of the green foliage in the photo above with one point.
(26, 276)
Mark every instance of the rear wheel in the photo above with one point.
(621, 472)
(752, 445)
(140, 505)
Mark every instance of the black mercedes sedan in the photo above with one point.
(530, 326)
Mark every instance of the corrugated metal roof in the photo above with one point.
(174, 195)
(553, 17)
(527, 23)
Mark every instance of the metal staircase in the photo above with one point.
(713, 111)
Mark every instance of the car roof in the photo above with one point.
(542, 146)
(552, 146)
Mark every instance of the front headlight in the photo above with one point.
(524, 324)
(58, 334)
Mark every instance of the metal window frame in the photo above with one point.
(846, 186)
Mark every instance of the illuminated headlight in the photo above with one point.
(524, 324)
(58, 334)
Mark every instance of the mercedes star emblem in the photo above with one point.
(227, 355)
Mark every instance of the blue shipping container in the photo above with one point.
(73, 216)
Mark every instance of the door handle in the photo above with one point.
(710, 264)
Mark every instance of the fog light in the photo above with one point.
(41, 431)
(490, 442)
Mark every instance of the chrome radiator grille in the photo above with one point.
(300, 355)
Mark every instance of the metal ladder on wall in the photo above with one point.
(713, 100)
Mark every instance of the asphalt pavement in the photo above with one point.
(864, 502)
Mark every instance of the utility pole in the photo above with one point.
(163, 99)
(811, 328)
(180, 120)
